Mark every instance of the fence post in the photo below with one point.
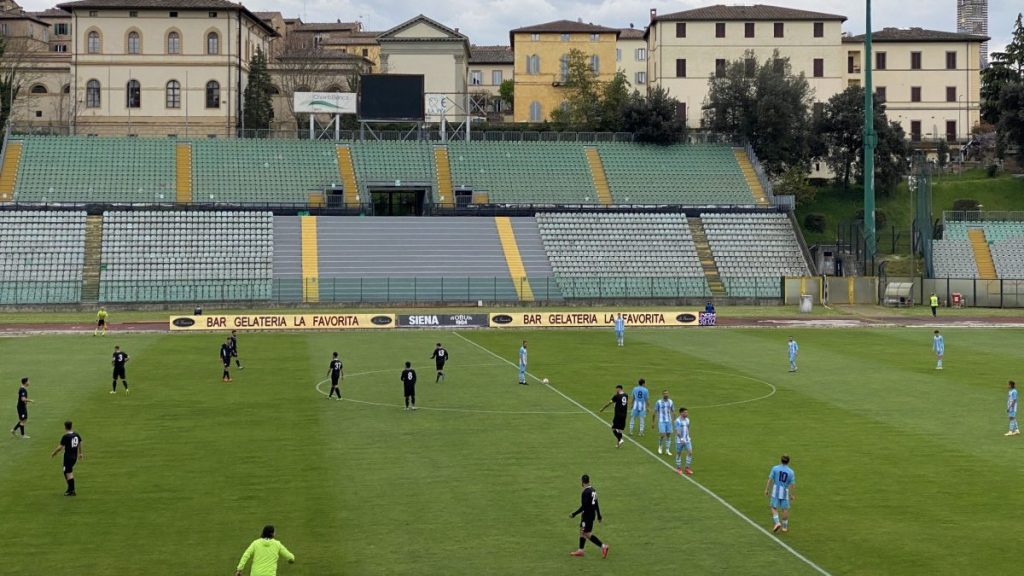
(415, 291)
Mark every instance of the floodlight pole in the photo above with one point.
(870, 139)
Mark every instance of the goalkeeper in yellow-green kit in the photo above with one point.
(264, 552)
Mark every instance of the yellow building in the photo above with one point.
(541, 56)
(930, 80)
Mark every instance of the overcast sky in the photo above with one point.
(488, 21)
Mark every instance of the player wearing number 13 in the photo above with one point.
(71, 444)
(780, 485)
(621, 402)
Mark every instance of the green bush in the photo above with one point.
(991, 170)
(880, 217)
(966, 205)
(815, 222)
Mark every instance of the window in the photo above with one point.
(950, 130)
(133, 13)
(780, 29)
(849, 65)
(533, 64)
(681, 111)
(173, 43)
(172, 14)
(496, 77)
(779, 65)
(915, 93)
(720, 68)
(366, 52)
(92, 94)
(60, 47)
(819, 29)
(535, 37)
(211, 14)
(595, 37)
(680, 29)
(565, 36)
(93, 43)
(213, 94)
(720, 30)
(595, 64)
(133, 94)
(950, 93)
(476, 77)
(563, 67)
(641, 54)
(915, 130)
(681, 68)
(880, 93)
(879, 60)
(915, 60)
(61, 29)
(38, 89)
(134, 43)
(535, 112)
(950, 60)
(641, 78)
(173, 91)
(618, 54)
(749, 66)
(66, 89)
(93, 13)
(212, 43)
(748, 30)
(819, 67)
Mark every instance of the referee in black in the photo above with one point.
(621, 402)
(409, 383)
(334, 370)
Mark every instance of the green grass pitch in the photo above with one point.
(901, 469)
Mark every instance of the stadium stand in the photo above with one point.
(956, 255)
(622, 255)
(262, 171)
(41, 257)
(691, 174)
(384, 161)
(753, 252)
(1006, 241)
(77, 170)
(412, 259)
(523, 172)
(186, 256)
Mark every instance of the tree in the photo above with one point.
(766, 105)
(14, 54)
(841, 128)
(259, 108)
(654, 119)
(581, 109)
(507, 90)
(942, 151)
(1002, 90)
(793, 182)
(614, 97)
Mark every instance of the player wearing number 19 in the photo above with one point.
(71, 444)
(780, 484)
(621, 402)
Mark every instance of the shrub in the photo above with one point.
(966, 205)
(880, 217)
(815, 222)
(991, 170)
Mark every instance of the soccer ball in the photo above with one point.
(544, 381)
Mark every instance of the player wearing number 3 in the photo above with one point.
(780, 482)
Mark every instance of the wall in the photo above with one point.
(550, 48)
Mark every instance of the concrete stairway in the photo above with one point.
(707, 259)
(982, 254)
(9, 171)
(93, 259)
(183, 173)
(445, 191)
(604, 192)
(751, 176)
(347, 171)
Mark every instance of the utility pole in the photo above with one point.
(870, 139)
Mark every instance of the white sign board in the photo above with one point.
(325, 102)
(439, 104)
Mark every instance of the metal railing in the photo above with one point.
(971, 292)
(982, 216)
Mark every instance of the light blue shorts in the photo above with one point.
(779, 504)
(681, 446)
(664, 427)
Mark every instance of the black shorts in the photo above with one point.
(440, 366)
(234, 353)
(410, 389)
(334, 381)
(101, 323)
(227, 362)
(69, 466)
(587, 524)
(22, 413)
(119, 372)
(619, 422)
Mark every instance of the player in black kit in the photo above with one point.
(621, 402)
(23, 401)
(233, 340)
(119, 359)
(225, 357)
(335, 372)
(71, 444)
(589, 508)
(440, 356)
(409, 383)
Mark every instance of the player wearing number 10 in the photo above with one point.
(780, 483)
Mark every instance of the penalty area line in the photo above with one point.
(700, 486)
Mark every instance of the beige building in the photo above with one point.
(489, 66)
(689, 47)
(541, 63)
(631, 57)
(42, 71)
(930, 80)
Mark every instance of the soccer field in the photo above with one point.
(901, 469)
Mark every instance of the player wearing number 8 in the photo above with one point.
(409, 384)
(780, 484)
(71, 444)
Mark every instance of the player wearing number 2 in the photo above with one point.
(621, 402)
(590, 509)
(780, 483)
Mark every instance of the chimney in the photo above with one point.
(630, 25)
(654, 14)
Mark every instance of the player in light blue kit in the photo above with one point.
(1011, 409)
(663, 412)
(620, 330)
(939, 347)
(793, 351)
(780, 485)
(640, 397)
(522, 364)
(682, 427)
